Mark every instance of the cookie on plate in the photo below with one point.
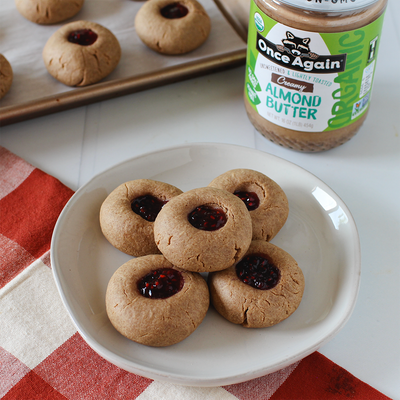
(46, 12)
(261, 290)
(6, 76)
(81, 53)
(127, 214)
(151, 302)
(172, 27)
(204, 229)
(264, 198)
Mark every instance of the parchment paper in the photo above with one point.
(22, 41)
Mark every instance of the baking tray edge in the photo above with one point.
(108, 90)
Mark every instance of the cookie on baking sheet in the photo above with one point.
(202, 230)
(81, 53)
(6, 76)
(151, 302)
(127, 214)
(259, 291)
(172, 27)
(264, 198)
(46, 12)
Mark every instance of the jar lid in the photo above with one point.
(329, 5)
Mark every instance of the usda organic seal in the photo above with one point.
(259, 22)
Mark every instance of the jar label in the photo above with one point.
(309, 81)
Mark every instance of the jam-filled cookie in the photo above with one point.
(264, 198)
(151, 302)
(127, 214)
(6, 76)
(81, 53)
(171, 26)
(47, 12)
(261, 290)
(202, 230)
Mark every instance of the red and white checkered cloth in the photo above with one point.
(42, 356)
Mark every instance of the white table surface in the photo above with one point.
(77, 144)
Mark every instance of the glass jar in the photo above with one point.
(309, 69)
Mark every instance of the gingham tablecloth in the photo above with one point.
(42, 356)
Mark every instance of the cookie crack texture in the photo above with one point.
(107, 57)
(128, 301)
(244, 322)
(237, 256)
(264, 234)
(160, 41)
(261, 188)
(197, 257)
(127, 190)
(202, 263)
(261, 310)
(94, 55)
(60, 62)
(191, 319)
(185, 289)
(124, 306)
(280, 294)
(84, 68)
(144, 335)
(292, 290)
(255, 309)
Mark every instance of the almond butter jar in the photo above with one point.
(310, 68)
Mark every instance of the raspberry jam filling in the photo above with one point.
(83, 37)
(174, 11)
(250, 199)
(256, 271)
(160, 283)
(147, 207)
(207, 218)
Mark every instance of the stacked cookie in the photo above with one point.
(266, 285)
(222, 230)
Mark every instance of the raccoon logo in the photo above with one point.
(294, 53)
(296, 46)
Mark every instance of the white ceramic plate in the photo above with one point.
(320, 234)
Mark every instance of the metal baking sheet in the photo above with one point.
(35, 93)
(237, 12)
